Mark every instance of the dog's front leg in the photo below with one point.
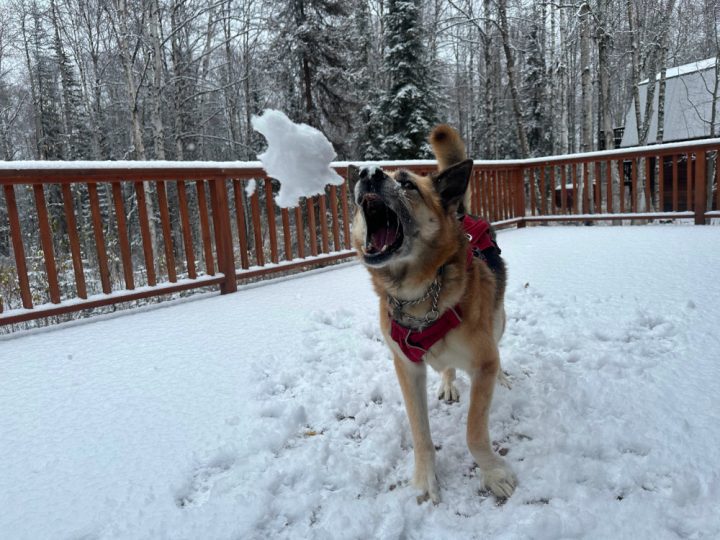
(412, 379)
(497, 475)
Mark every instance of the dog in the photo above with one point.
(440, 303)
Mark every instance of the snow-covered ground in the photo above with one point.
(274, 412)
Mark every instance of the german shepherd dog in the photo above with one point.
(407, 232)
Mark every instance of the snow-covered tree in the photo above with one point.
(42, 71)
(408, 107)
(76, 137)
(367, 85)
(534, 90)
(314, 37)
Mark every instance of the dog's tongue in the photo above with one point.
(383, 238)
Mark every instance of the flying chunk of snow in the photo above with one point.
(298, 156)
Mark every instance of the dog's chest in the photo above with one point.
(453, 351)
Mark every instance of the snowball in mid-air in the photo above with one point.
(298, 156)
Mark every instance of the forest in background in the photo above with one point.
(180, 79)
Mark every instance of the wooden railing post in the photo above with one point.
(18, 247)
(520, 197)
(700, 187)
(223, 234)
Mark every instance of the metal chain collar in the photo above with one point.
(418, 323)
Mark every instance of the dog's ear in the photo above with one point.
(452, 183)
(353, 175)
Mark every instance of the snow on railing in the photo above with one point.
(79, 235)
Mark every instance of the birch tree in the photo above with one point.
(511, 75)
(128, 47)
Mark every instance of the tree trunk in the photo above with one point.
(643, 126)
(604, 44)
(66, 100)
(157, 70)
(204, 69)
(247, 91)
(635, 65)
(561, 75)
(510, 64)
(122, 33)
(586, 144)
(99, 138)
(230, 92)
(34, 91)
(654, 56)
(490, 120)
(552, 78)
(179, 68)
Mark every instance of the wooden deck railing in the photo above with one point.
(668, 181)
(123, 232)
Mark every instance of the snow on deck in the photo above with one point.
(274, 412)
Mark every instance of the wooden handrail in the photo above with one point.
(238, 236)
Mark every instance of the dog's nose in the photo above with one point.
(372, 173)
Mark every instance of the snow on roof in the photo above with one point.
(692, 67)
(688, 105)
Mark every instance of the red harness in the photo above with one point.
(415, 343)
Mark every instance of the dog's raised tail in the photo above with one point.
(447, 146)
(449, 149)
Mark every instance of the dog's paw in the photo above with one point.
(427, 483)
(503, 379)
(448, 392)
(500, 480)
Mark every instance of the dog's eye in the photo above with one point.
(407, 184)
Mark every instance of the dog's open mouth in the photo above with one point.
(384, 230)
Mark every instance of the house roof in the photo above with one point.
(692, 67)
(688, 104)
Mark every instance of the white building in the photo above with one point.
(689, 91)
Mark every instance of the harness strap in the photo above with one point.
(415, 343)
(479, 237)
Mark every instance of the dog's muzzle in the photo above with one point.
(384, 230)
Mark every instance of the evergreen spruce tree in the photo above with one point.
(371, 130)
(367, 88)
(46, 97)
(534, 84)
(408, 108)
(316, 39)
(75, 118)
